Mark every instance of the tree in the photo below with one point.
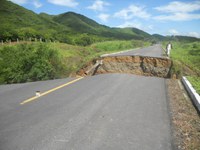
(26, 33)
(84, 40)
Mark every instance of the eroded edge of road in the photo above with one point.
(138, 65)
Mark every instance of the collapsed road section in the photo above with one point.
(138, 65)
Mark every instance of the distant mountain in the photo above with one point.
(159, 37)
(79, 23)
(182, 38)
(179, 38)
(16, 22)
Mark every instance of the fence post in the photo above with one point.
(1, 42)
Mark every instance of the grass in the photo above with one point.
(29, 62)
(188, 54)
(186, 61)
(76, 56)
(195, 81)
(70, 57)
(112, 46)
(185, 119)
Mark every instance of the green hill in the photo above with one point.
(159, 37)
(81, 24)
(176, 38)
(77, 22)
(179, 38)
(20, 23)
(136, 32)
(72, 28)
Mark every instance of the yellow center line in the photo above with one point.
(49, 91)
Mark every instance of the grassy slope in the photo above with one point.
(195, 81)
(187, 55)
(60, 59)
(16, 20)
(77, 56)
(81, 24)
(113, 46)
(14, 17)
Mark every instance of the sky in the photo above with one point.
(165, 17)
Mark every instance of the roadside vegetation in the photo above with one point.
(186, 61)
(41, 61)
(112, 46)
(188, 54)
(29, 62)
(185, 119)
(195, 81)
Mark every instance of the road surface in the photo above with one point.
(105, 112)
(152, 51)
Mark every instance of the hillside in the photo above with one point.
(176, 38)
(179, 38)
(77, 22)
(20, 23)
(159, 37)
(81, 24)
(72, 28)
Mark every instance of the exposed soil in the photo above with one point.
(139, 65)
(185, 119)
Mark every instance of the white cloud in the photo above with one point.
(179, 11)
(98, 5)
(194, 34)
(177, 6)
(68, 3)
(19, 1)
(178, 17)
(136, 24)
(37, 4)
(104, 17)
(132, 11)
(130, 24)
(173, 32)
(150, 27)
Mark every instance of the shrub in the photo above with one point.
(29, 62)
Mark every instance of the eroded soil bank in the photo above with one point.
(139, 65)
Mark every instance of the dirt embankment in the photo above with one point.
(139, 65)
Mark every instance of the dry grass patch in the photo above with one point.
(185, 119)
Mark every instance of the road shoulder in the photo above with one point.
(184, 117)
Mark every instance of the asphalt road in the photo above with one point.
(104, 112)
(152, 51)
